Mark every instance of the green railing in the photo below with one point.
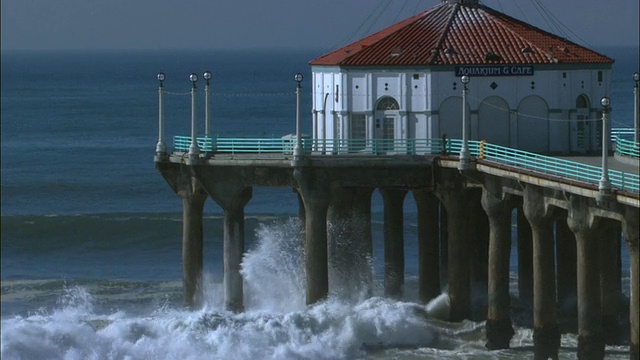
(481, 150)
(627, 147)
(623, 132)
(554, 166)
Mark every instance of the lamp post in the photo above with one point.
(605, 186)
(636, 106)
(161, 148)
(297, 149)
(464, 150)
(194, 151)
(207, 117)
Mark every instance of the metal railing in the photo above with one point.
(572, 170)
(481, 150)
(628, 148)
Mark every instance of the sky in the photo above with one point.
(303, 24)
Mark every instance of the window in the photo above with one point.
(358, 130)
(387, 103)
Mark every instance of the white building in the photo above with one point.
(528, 89)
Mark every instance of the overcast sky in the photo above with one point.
(310, 24)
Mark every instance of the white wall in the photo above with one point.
(420, 92)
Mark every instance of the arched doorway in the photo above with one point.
(533, 125)
(387, 110)
(494, 123)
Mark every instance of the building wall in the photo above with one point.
(535, 113)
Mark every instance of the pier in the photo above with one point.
(563, 212)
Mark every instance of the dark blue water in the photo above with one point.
(87, 221)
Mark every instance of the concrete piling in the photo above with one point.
(525, 260)
(428, 244)
(498, 326)
(583, 224)
(456, 198)
(546, 334)
(349, 237)
(233, 249)
(393, 242)
(610, 281)
(315, 191)
(630, 226)
(566, 275)
(192, 248)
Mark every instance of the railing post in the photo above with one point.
(194, 151)
(161, 148)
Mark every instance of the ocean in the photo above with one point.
(91, 233)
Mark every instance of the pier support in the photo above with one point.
(566, 274)
(232, 196)
(631, 232)
(455, 197)
(350, 246)
(584, 225)
(546, 335)
(192, 246)
(314, 188)
(525, 259)
(610, 282)
(393, 242)
(180, 179)
(428, 245)
(498, 326)
(479, 230)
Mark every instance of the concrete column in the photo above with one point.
(301, 214)
(362, 234)
(498, 326)
(428, 245)
(192, 247)
(444, 244)
(393, 242)
(456, 200)
(583, 225)
(525, 259)
(232, 196)
(630, 230)
(180, 178)
(315, 190)
(479, 255)
(610, 282)
(546, 335)
(566, 274)
(233, 249)
(350, 247)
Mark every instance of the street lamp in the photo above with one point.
(464, 150)
(207, 88)
(605, 186)
(297, 149)
(636, 106)
(194, 151)
(161, 148)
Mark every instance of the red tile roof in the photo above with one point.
(460, 34)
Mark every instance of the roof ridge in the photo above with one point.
(445, 32)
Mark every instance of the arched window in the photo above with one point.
(387, 103)
(582, 102)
